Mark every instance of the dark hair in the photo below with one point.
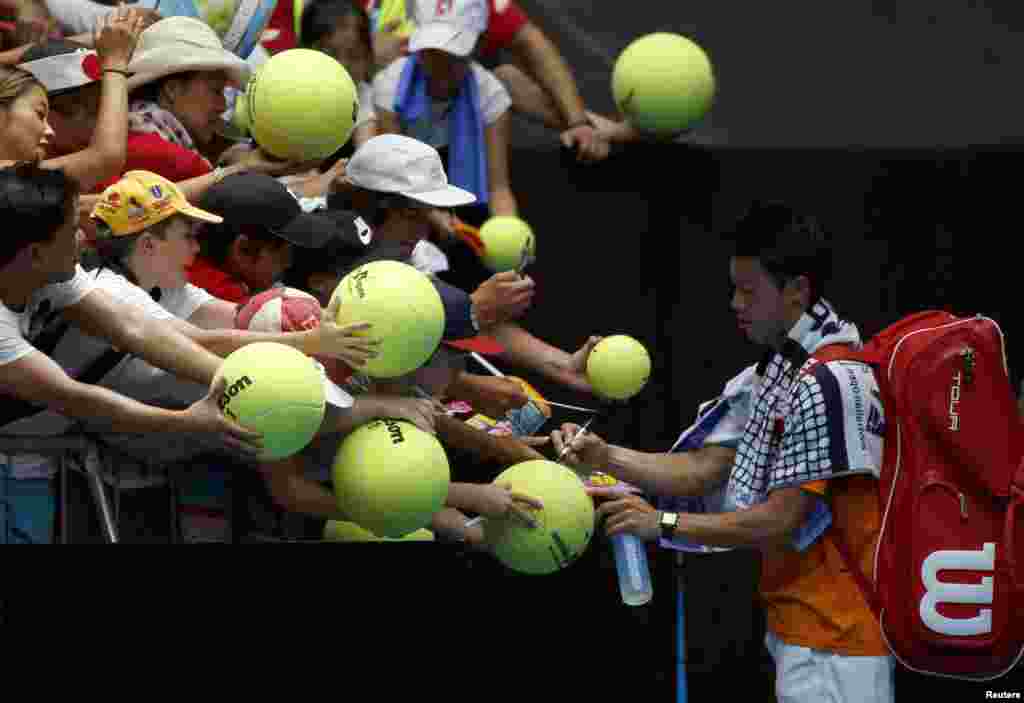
(335, 257)
(787, 243)
(15, 82)
(112, 251)
(34, 204)
(321, 17)
(216, 240)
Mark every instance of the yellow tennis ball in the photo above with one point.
(618, 367)
(339, 531)
(564, 525)
(276, 390)
(404, 308)
(508, 242)
(663, 83)
(302, 105)
(240, 118)
(390, 477)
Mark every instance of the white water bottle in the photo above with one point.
(631, 566)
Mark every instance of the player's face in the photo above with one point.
(56, 259)
(758, 302)
(73, 117)
(25, 133)
(198, 103)
(445, 71)
(261, 270)
(172, 254)
(347, 46)
(406, 227)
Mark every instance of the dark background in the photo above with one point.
(898, 125)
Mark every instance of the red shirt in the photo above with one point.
(204, 274)
(506, 19)
(151, 152)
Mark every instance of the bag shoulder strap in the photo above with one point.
(866, 589)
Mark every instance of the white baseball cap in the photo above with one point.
(394, 163)
(452, 26)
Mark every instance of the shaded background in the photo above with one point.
(899, 126)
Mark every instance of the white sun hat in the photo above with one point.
(180, 44)
(394, 163)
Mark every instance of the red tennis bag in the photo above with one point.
(948, 584)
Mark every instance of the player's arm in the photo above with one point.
(387, 122)
(542, 60)
(131, 329)
(528, 351)
(212, 327)
(691, 473)
(502, 201)
(771, 523)
(37, 379)
(768, 524)
(372, 406)
(501, 450)
(292, 491)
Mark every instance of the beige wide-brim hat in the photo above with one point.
(180, 44)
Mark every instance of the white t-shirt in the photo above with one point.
(17, 329)
(132, 377)
(366, 110)
(432, 129)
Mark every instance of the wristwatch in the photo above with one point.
(668, 522)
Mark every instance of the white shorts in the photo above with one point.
(804, 675)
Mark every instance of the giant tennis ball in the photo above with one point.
(240, 117)
(339, 531)
(302, 105)
(618, 367)
(663, 83)
(276, 390)
(404, 309)
(564, 525)
(390, 477)
(508, 242)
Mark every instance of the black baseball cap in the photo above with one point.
(256, 200)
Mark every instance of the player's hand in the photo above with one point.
(577, 369)
(588, 451)
(590, 145)
(387, 44)
(205, 417)
(348, 343)
(255, 160)
(626, 515)
(502, 297)
(442, 222)
(115, 37)
(419, 411)
(500, 502)
(492, 395)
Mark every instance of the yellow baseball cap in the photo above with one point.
(142, 199)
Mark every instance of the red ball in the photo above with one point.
(279, 310)
(288, 310)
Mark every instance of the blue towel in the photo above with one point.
(467, 152)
